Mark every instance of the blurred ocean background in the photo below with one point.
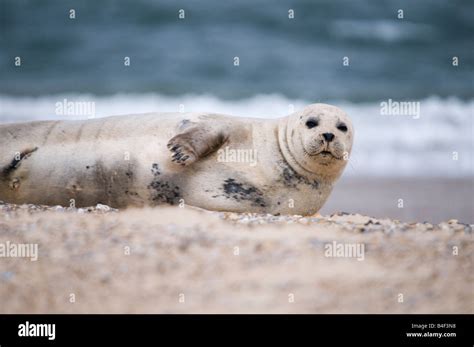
(283, 63)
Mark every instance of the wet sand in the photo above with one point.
(186, 260)
(431, 199)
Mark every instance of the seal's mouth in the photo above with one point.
(325, 153)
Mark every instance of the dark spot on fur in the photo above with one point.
(155, 169)
(109, 181)
(184, 123)
(292, 179)
(243, 192)
(163, 191)
(16, 161)
(88, 167)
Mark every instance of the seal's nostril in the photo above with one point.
(328, 136)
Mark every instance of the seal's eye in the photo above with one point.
(342, 127)
(312, 123)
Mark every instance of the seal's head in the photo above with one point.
(318, 140)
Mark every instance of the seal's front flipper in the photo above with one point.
(195, 143)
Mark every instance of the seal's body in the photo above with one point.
(216, 162)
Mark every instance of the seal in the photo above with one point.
(217, 162)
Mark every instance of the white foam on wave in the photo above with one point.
(383, 30)
(17, 109)
(384, 145)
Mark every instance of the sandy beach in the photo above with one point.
(186, 260)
